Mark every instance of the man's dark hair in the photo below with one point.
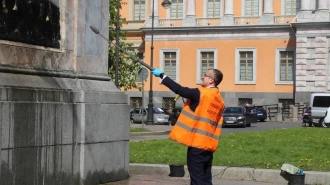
(217, 76)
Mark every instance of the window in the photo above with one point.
(206, 59)
(284, 68)
(136, 111)
(321, 101)
(244, 101)
(168, 102)
(136, 102)
(169, 63)
(286, 102)
(291, 7)
(286, 65)
(139, 9)
(245, 65)
(177, 9)
(251, 7)
(213, 8)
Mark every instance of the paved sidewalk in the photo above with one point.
(166, 180)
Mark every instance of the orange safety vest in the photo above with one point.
(202, 128)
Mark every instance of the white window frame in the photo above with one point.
(199, 62)
(277, 65)
(237, 65)
(161, 61)
(243, 7)
(168, 11)
(131, 10)
(283, 7)
(222, 5)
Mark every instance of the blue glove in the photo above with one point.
(157, 72)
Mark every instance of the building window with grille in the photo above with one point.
(213, 8)
(206, 59)
(139, 10)
(286, 102)
(284, 68)
(244, 101)
(291, 7)
(177, 9)
(245, 66)
(251, 7)
(136, 102)
(168, 103)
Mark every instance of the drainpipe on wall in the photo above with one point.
(294, 65)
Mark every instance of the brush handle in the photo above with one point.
(146, 65)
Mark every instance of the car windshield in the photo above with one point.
(234, 110)
(157, 111)
(160, 110)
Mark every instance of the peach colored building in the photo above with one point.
(270, 51)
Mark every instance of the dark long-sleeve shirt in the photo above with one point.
(190, 93)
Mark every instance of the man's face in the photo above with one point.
(207, 79)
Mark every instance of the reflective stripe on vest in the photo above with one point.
(199, 118)
(195, 130)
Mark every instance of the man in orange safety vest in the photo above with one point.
(199, 124)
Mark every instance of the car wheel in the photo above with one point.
(323, 124)
(262, 120)
(131, 120)
(244, 124)
(248, 125)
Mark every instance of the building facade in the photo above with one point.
(270, 51)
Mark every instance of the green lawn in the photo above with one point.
(306, 148)
(132, 129)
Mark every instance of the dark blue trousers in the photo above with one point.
(199, 164)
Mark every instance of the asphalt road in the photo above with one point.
(254, 127)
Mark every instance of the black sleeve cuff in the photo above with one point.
(161, 75)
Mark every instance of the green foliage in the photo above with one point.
(128, 67)
(306, 148)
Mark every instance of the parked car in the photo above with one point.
(165, 110)
(174, 115)
(239, 116)
(261, 113)
(325, 120)
(319, 103)
(139, 114)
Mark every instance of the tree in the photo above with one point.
(128, 67)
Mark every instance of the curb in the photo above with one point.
(234, 173)
(148, 133)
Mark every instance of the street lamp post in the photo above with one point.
(150, 118)
(117, 43)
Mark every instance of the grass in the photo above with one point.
(138, 130)
(306, 148)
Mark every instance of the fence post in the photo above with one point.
(279, 116)
(294, 113)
